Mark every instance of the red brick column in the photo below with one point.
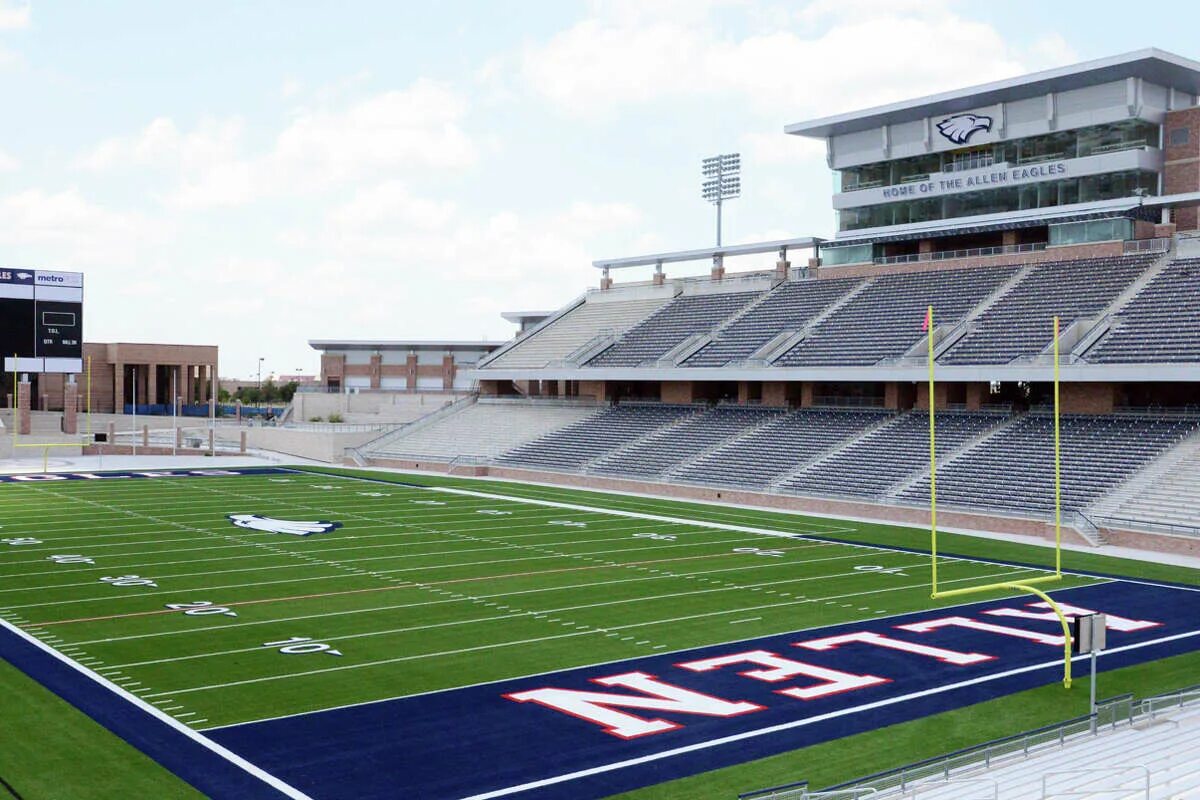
(70, 409)
(25, 417)
(774, 393)
(1181, 161)
(151, 384)
(119, 388)
(411, 366)
(782, 268)
(448, 372)
(376, 368)
(806, 394)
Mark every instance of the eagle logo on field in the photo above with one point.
(961, 127)
(257, 522)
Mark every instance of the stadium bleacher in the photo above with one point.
(1160, 324)
(889, 454)
(777, 448)
(483, 429)
(684, 316)
(665, 450)
(789, 307)
(1019, 324)
(581, 324)
(570, 448)
(1014, 469)
(886, 319)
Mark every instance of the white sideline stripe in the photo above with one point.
(588, 629)
(147, 708)
(583, 773)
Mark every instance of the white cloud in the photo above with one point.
(389, 133)
(613, 60)
(14, 16)
(8, 163)
(66, 228)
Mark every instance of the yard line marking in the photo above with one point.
(498, 645)
(740, 621)
(660, 575)
(494, 618)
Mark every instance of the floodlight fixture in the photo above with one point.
(721, 181)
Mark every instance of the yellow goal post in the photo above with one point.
(1024, 585)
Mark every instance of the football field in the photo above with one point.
(304, 627)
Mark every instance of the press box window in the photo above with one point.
(1178, 137)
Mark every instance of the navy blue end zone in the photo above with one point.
(158, 474)
(173, 746)
(475, 743)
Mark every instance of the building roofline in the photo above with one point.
(752, 248)
(1157, 65)
(396, 344)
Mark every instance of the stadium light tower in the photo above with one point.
(721, 181)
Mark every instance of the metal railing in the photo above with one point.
(943, 255)
(1160, 245)
(1151, 707)
(1110, 713)
(1145, 525)
(911, 779)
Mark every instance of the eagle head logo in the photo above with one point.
(257, 522)
(961, 127)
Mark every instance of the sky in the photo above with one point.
(257, 174)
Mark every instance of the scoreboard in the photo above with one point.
(41, 320)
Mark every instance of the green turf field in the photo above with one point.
(429, 588)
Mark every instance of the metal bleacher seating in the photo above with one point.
(790, 307)
(1020, 324)
(757, 459)
(570, 448)
(574, 329)
(889, 454)
(886, 318)
(1160, 324)
(684, 316)
(481, 430)
(1014, 469)
(657, 454)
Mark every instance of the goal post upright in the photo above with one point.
(932, 453)
(1027, 584)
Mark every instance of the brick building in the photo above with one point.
(123, 371)
(401, 365)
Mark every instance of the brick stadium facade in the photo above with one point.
(192, 369)
(399, 365)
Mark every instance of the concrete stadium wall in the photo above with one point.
(325, 446)
(369, 406)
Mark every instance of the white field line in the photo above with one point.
(624, 526)
(738, 737)
(538, 612)
(163, 717)
(381, 558)
(288, 496)
(589, 630)
(391, 557)
(502, 546)
(464, 599)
